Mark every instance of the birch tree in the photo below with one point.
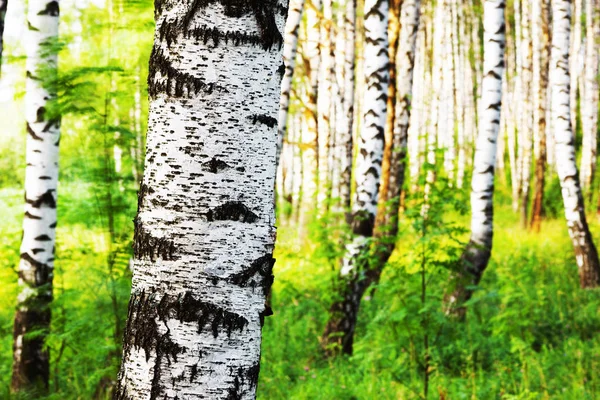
(564, 143)
(3, 8)
(36, 266)
(345, 138)
(204, 233)
(289, 57)
(478, 251)
(340, 328)
(541, 53)
(590, 97)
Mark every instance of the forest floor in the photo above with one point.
(531, 333)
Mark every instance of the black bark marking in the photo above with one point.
(363, 223)
(31, 133)
(40, 114)
(264, 119)
(43, 238)
(174, 82)
(41, 271)
(147, 246)
(46, 199)
(263, 10)
(232, 211)
(31, 216)
(52, 9)
(215, 165)
(262, 266)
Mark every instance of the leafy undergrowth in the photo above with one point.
(531, 333)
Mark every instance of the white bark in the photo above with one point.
(345, 137)
(482, 183)
(589, 105)
(36, 265)
(205, 225)
(574, 59)
(585, 250)
(371, 140)
(289, 57)
(324, 106)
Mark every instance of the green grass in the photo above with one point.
(531, 333)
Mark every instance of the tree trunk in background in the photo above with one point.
(477, 254)
(393, 35)
(343, 313)
(3, 7)
(448, 77)
(309, 125)
(345, 139)
(324, 108)
(36, 267)
(585, 250)
(386, 228)
(204, 232)
(289, 57)
(541, 58)
(525, 110)
(589, 104)
(574, 59)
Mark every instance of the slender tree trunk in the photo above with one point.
(589, 105)
(309, 129)
(585, 250)
(204, 232)
(36, 267)
(477, 254)
(525, 111)
(574, 58)
(3, 7)
(393, 36)
(340, 328)
(324, 107)
(541, 58)
(345, 137)
(386, 229)
(289, 57)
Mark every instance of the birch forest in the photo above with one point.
(299, 199)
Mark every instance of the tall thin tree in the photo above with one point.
(340, 328)
(586, 254)
(204, 233)
(478, 251)
(36, 267)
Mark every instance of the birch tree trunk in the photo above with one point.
(204, 232)
(574, 59)
(477, 253)
(589, 105)
(585, 250)
(309, 129)
(541, 42)
(386, 229)
(36, 266)
(289, 57)
(3, 7)
(324, 107)
(340, 327)
(348, 105)
(526, 110)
